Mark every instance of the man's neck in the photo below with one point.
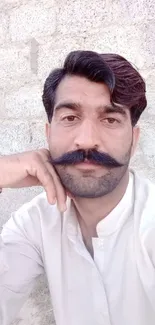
(89, 211)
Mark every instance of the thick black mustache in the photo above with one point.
(78, 156)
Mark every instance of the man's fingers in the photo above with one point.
(41, 172)
(47, 181)
(33, 168)
(44, 172)
(27, 182)
(60, 191)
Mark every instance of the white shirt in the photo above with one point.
(116, 288)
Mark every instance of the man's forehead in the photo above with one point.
(72, 86)
(75, 92)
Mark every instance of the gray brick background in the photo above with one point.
(35, 36)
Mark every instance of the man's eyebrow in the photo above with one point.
(114, 109)
(105, 108)
(69, 105)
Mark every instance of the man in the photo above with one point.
(96, 244)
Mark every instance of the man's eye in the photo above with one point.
(70, 118)
(111, 120)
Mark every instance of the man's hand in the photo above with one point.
(31, 169)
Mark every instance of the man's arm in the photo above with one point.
(20, 256)
(33, 168)
(20, 264)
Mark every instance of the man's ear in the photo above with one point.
(47, 132)
(136, 135)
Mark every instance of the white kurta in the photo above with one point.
(116, 288)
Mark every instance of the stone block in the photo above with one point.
(14, 137)
(53, 53)
(138, 159)
(11, 3)
(81, 16)
(2, 5)
(2, 100)
(13, 199)
(88, 16)
(3, 28)
(32, 21)
(150, 7)
(109, 39)
(117, 40)
(14, 67)
(38, 135)
(143, 160)
(150, 80)
(130, 12)
(127, 11)
(147, 142)
(27, 102)
(150, 93)
(151, 102)
(149, 44)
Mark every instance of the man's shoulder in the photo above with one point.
(144, 205)
(144, 188)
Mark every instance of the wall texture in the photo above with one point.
(35, 36)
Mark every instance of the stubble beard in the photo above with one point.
(89, 185)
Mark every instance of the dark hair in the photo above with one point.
(126, 85)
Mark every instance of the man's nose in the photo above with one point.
(87, 136)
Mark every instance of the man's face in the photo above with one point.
(85, 122)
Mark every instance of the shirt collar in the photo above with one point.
(117, 217)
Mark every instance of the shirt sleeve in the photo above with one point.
(20, 263)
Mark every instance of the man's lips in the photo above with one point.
(90, 162)
(87, 164)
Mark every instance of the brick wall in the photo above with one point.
(35, 36)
